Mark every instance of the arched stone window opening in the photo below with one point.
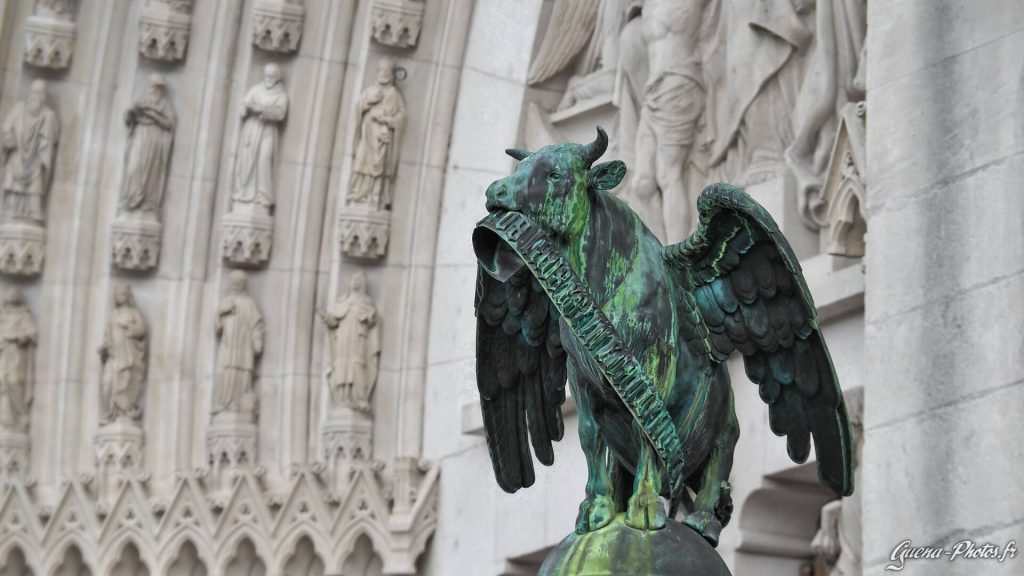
(304, 561)
(363, 560)
(129, 562)
(187, 562)
(72, 564)
(15, 564)
(245, 561)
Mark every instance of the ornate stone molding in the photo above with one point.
(347, 437)
(22, 248)
(246, 239)
(118, 450)
(277, 25)
(14, 447)
(164, 29)
(49, 41)
(397, 22)
(844, 191)
(135, 243)
(364, 231)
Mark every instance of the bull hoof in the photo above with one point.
(595, 512)
(706, 524)
(645, 512)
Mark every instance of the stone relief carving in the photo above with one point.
(136, 230)
(28, 146)
(240, 332)
(381, 114)
(123, 355)
(50, 34)
(248, 226)
(397, 22)
(18, 335)
(164, 29)
(844, 194)
(355, 347)
(277, 25)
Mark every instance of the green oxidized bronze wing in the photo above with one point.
(751, 295)
(520, 372)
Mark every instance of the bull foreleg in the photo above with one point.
(598, 508)
(645, 510)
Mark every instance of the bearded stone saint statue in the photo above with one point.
(123, 355)
(355, 347)
(263, 109)
(28, 145)
(240, 330)
(18, 336)
(151, 124)
(381, 110)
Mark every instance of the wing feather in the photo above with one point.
(520, 375)
(751, 295)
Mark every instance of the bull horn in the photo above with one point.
(518, 153)
(591, 152)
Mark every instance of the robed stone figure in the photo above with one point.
(18, 335)
(355, 347)
(28, 146)
(381, 119)
(124, 357)
(151, 124)
(263, 109)
(240, 330)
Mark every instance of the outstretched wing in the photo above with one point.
(571, 25)
(751, 294)
(520, 372)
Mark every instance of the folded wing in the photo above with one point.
(749, 290)
(521, 371)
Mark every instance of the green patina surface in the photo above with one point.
(573, 286)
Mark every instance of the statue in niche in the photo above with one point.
(264, 107)
(672, 105)
(18, 336)
(240, 330)
(28, 146)
(151, 124)
(123, 355)
(355, 347)
(381, 111)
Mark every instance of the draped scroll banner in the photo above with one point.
(622, 369)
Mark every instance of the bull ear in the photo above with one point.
(607, 175)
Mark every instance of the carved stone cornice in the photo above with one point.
(22, 248)
(277, 25)
(363, 231)
(397, 22)
(164, 29)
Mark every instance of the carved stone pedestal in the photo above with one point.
(364, 231)
(13, 455)
(118, 447)
(397, 22)
(347, 436)
(230, 448)
(277, 25)
(49, 42)
(163, 31)
(246, 239)
(135, 243)
(22, 248)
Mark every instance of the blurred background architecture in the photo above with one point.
(236, 325)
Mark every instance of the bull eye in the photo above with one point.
(554, 176)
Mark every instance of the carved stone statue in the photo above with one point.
(151, 124)
(18, 336)
(263, 109)
(240, 330)
(28, 146)
(124, 358)
(381, 112)
(673, 102)
(355, 347)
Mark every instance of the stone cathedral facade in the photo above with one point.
(236, 279)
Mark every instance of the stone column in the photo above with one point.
(944, 317)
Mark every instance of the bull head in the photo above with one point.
(557, 185)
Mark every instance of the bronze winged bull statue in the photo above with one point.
(573, 286)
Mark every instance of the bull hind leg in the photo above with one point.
(712, 508)
(645, 510)
(598, 508)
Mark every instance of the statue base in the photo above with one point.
(616, 549)
(135, 243)
(246, 238)
(163, 32)
(49, 41)
(13, 455)
(364, 231)
(22, 248)
(118, 448)
(277, 25)
(231, 441)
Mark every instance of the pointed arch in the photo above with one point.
(186, 560)
(15, 561)
(290, 540)
(70, 557)
(244, 546)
